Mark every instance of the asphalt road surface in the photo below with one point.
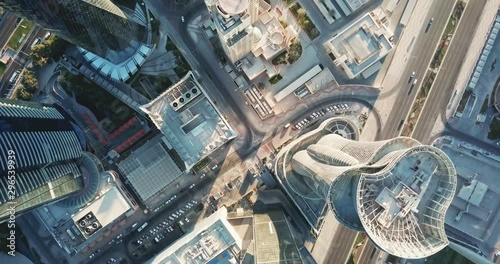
(422, 54)
(443, 86)
(341, 245)
(20, 61)
(368, 254)
(8, 25)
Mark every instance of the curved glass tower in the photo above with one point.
(46, 151)
(99, 26)
(396, 191)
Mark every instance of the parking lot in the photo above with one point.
(333, 109)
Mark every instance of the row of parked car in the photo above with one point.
(334, 108)
(166, 226)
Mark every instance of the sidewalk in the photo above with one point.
(476, 47)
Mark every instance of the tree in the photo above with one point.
(39, 55)
(23, 94)
(54, 47)
(29, 81)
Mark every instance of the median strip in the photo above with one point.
(431, 73)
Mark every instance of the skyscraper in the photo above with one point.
(99, 26)
(40, 156)
(396, 191)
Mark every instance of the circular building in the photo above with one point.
(397, 191)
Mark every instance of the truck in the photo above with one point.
(14, 77)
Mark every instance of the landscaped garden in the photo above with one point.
(275, 79)
(291, 55)
(494, 130)
(99, 101)
(304, 20)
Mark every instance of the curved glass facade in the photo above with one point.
(397, 190)
(99, 26)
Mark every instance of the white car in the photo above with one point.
(182, 19)
(215, 167)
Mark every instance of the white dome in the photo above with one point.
(233, 7)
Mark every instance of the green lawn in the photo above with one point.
(20, 34)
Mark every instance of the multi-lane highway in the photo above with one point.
(443, 86)
(422, 54)
(19, 62)
(8, 25)
(368, 255)
(341, 245)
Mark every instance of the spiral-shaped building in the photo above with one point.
(397, 191)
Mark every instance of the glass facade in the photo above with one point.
(45, 149)
(99, 26)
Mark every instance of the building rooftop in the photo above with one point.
(361, 44)
(211, 242)
(123, 70)
(355, 4)
(233, 7)
(189, 120)
(150, 168)
(274, 242)
(105, 210)
(473, 217)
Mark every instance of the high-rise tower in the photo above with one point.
(99, 26)
(396, 191)
(41, 153)
(234, 21)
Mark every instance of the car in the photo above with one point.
(412, 75)
(47, 35)
(181, 223)
(431, 20)
(498, 143)
(414, 82)
(401, 123)
(346, 106)
(187, 220)
(91, 256)
(215, 167)
(191, 186)
(203, 176)
(294, 127)
(171, 218)
(182, 211)
(182, 19)
(336, 108)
